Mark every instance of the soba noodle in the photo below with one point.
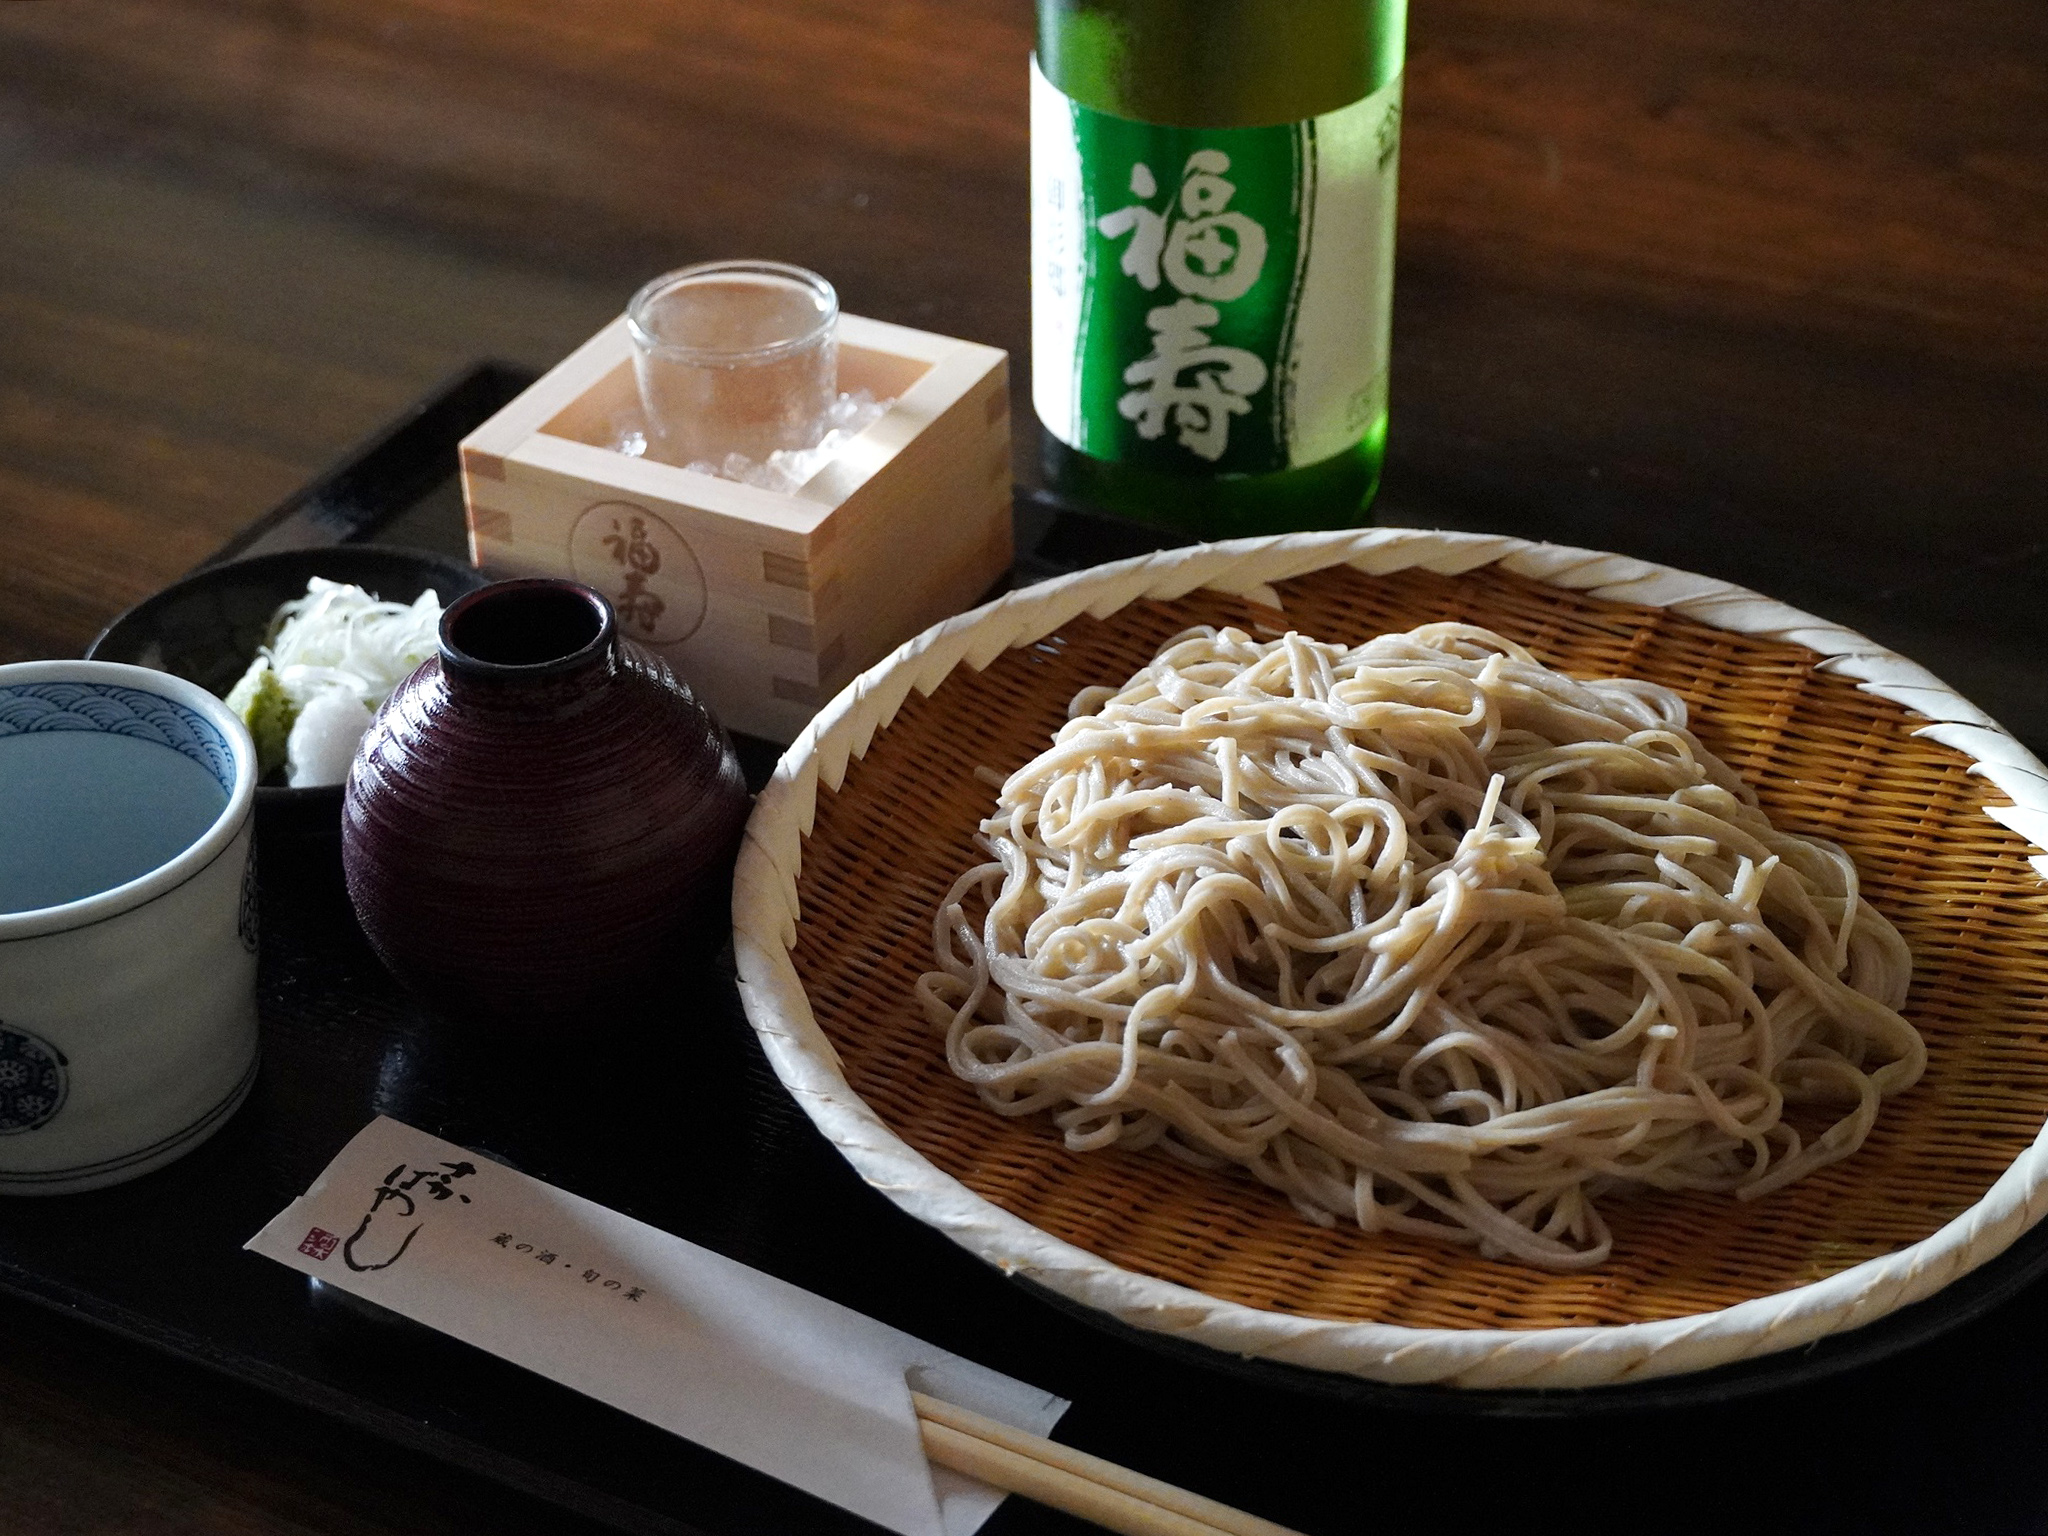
(1423, 934)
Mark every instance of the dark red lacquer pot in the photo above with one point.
(543, 817)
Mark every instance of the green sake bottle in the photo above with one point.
(1212, 248)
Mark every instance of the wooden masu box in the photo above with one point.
(766, 602)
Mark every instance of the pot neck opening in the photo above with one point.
(538, 630)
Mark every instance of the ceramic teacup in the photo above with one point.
(127, 922)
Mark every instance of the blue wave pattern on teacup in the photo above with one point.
(26, 707)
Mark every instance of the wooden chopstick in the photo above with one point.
(1114, 1497)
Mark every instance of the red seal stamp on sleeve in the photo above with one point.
(318, 1244)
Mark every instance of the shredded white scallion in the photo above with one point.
(337, 642)
(338, 637)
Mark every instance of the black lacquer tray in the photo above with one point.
(667, 1111)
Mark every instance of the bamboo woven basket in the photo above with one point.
(871, 814)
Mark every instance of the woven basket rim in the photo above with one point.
(766, 918)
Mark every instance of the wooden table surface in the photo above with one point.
(1753, 288)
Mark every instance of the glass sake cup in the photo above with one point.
(734, 357)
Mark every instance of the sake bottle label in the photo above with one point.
(1211, 300)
